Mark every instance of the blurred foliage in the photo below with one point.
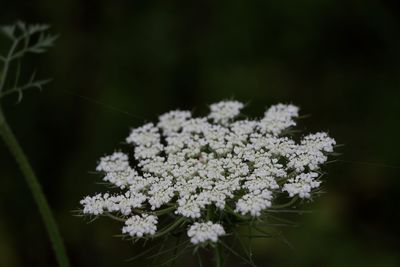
(118, 64)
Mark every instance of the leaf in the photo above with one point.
(29, 85)
(26, 38)
(43, 43)
(21, 25)
(32, 29)
(8, 30)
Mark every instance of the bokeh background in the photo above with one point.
(118, 64)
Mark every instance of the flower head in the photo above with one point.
(197, 170)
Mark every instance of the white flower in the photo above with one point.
(311, 152)
(188, 206)
(224, 111)
(172, 121)
(113, 163)
(302, 185)
(112, 203)
(203, 232)
(254, 202)
(279, 117)
(138, 226)
(93, 205)
(190, 166)
(124, 203)
(319, 141)
(146, 135)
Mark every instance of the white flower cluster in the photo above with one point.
(302, 185)
(224, 111)
(194, 164)
(203, 232)
(140, 225)
(123, 203)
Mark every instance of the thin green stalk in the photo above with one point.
(236, 253)
(164, 211)
(7, 61)
(36, 190)
(199, 260)
(178, 239)
(170, 227)
(218, 256)
(116, 218)
(288, 204)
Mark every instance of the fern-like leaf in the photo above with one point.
(25, 39)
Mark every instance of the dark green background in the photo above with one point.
(118, 64)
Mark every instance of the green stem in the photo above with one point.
(218, 256)
(164, 211)
(36, 190)
(170, 227)
(116, 218)
(288, 204)
(178, 239)
(7, 61)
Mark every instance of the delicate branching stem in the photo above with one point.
(35, 188)
(236, 253)
(7, 61)
(25, 87)
(116, 218)
(238, 215)
(288, 204)
(164, 211)
(178, 240)
(157, 212)
(170, 228)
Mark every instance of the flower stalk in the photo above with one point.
(48, 219)
(218, 257)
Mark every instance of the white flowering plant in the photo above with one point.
(19, 40)
(202, 179)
